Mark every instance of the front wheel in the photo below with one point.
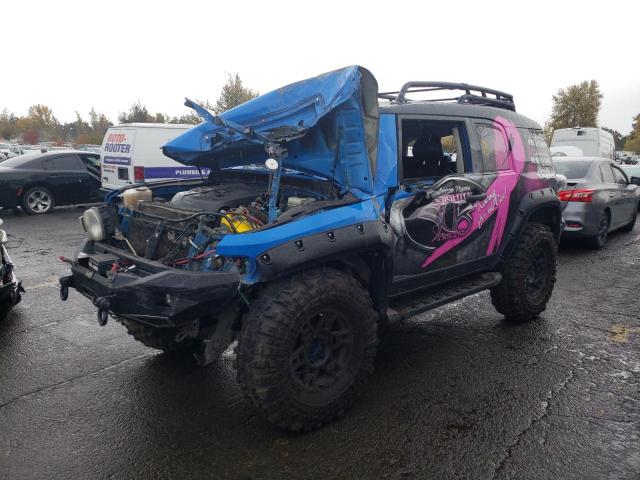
(528, 275)
(307, 348)
(37, 200)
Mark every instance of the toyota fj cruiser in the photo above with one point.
(327, 209)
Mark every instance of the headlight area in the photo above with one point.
(98, 222)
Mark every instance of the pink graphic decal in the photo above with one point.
(497, 198)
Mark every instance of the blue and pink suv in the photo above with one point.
(329, 210)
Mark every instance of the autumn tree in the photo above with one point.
(633, 139)
(576, 105)
(233, 94)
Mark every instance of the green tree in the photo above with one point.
(99, 125)
(233, 94)
(137, 113)
(618, 138)
(576, 105)
(633, 139)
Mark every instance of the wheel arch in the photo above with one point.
(540, 206)
(364, 250)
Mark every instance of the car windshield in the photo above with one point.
(5, 146)
(571, 169)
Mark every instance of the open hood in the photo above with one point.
(327, 124)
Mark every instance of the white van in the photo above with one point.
(132, 153)
(593, 141)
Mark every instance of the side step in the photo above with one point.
(410, 305)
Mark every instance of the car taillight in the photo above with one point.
(138, 174)
(577, 195)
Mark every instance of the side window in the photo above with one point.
(495, 150)
(66, 162)
(606, 173)
(90, 161)
(431, 149)
(542, 149)
(619, 176)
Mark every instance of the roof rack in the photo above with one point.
(472, 94)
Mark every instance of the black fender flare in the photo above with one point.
(533, 206)
(369, 245)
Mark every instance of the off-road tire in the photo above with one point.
(268, 370)
(515, 297)
(26, 200)
(629, 226)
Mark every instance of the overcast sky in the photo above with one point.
(74, 55)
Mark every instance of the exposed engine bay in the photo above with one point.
(182, 229)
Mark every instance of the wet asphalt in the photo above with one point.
(458, 393)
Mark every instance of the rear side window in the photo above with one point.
(494, 146)
(606, 173)
(67, 162)
(542, 149)
(619, 176)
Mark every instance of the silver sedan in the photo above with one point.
(599, 197)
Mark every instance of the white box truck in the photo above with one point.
(132, 153)
(593, 141)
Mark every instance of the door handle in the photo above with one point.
(611, 194)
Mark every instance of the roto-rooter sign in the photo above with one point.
(117, 148)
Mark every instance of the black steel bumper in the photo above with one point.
(157, 296)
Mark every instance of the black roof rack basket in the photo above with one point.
(472, 94)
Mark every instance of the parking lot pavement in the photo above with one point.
(458, 393)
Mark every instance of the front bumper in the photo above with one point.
(156, 295)
(10, 288)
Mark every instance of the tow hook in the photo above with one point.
(103, 310)
(65, 283)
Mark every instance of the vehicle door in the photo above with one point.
(91, 163)
(450, 220)
(612, 194)
(67, 177)
(628, 196)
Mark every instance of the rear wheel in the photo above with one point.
(37, 200)
(600, 239)
(528, 275)
(307, 348)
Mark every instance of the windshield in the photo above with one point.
(5, 146)
(571, 169)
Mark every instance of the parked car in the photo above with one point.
(598, 198)
(324, 214)
(5, 151)
(37, 182)
(10, 287)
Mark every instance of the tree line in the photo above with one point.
(41, 125)
(579, 106)
(575, 105)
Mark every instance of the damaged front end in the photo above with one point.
(179, 259)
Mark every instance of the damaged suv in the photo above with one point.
(327, 209)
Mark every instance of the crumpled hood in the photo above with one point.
(328, 124)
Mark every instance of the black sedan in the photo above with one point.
(39, 181)
(599, 197)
